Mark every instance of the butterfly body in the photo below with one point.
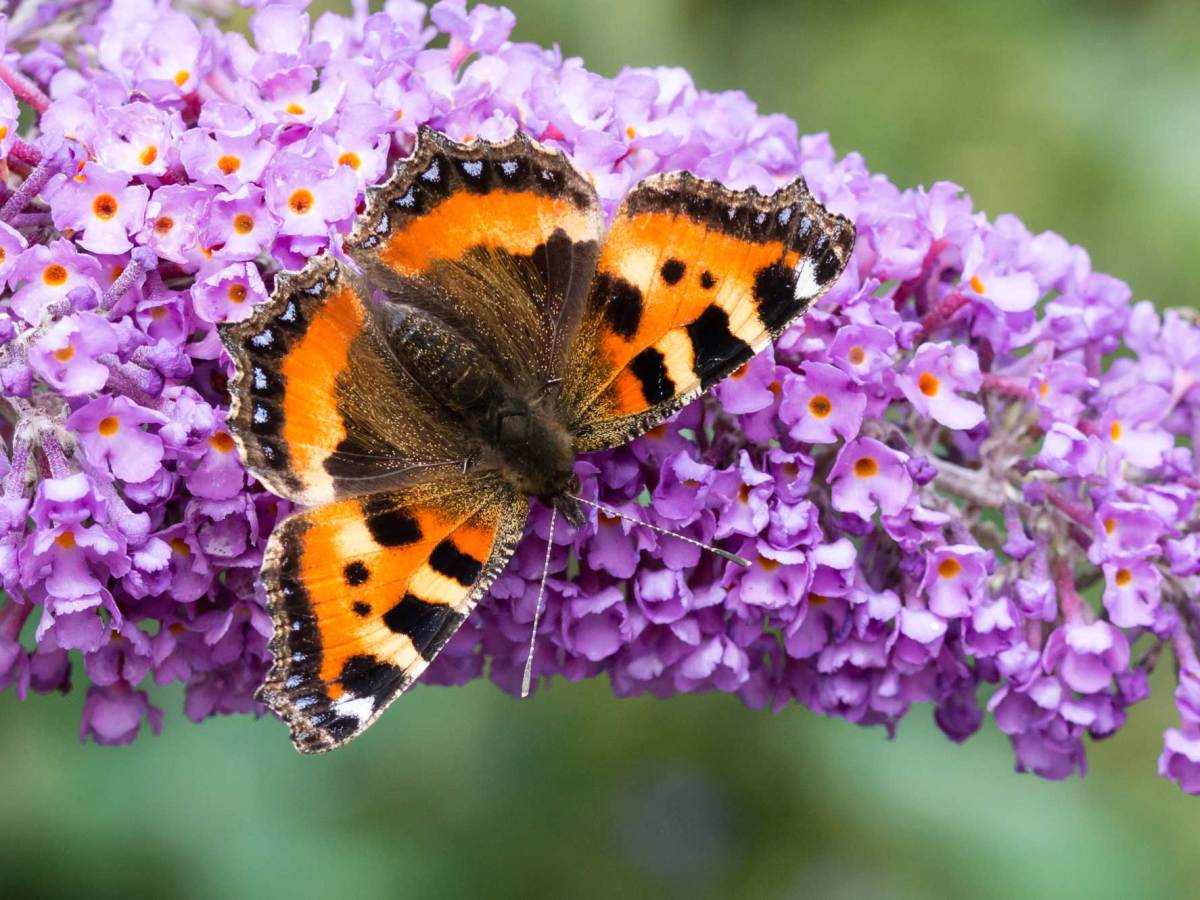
(490, 331)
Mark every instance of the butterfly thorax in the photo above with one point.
(532, 451)
(519, 437)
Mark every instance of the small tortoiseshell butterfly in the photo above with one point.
(494, 332)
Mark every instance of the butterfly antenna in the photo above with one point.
(527, 679)
(724, 554)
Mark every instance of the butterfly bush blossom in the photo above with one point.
(966, 479)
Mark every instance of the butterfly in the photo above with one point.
(490, 330)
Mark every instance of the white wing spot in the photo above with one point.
(260, 415)
(408, 199)
(509, 167)
(260, 379)
(806, 281)
(263, 339)
(432, 173)
(360, 708)
(785, 215)
(473, 167)
(289, 312)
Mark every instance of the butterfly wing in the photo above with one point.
(499, 240)
(693, 280)
(321, 408)
(366, 591)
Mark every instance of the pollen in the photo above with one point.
(1124, 576)
(54, 275)
(221, 442)
(104, 206)
(301, 201)
(977, 285)
(820, 406)
(181, 77)
(350, 159)
(1114, 431)
(767, 565)
(243, 223)
(237, 293)
(108, 426)
(949, 567)
(229, 164)
(866, 467)
(163, 224)
(65, 354)
(857, 356)
(295, 109)
(929, 384)
(180, 546)
(66, 540)
(149, 155)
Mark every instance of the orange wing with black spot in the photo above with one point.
(316, 389)
(499, 240)
(693, 280)
(366, 591)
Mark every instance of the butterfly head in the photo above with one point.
(535, 454)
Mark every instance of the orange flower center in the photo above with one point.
(767, 565)
(180, 546)
(929, 384)
(158, 313)
(1124, 576)
(54, 275)
(820, 406)
(1043, 389)
(791, 470)
(607, 521)
(301, 201)
(221, 442)
(149, 155)
(237, 293)
(743, 494)
(949, 567)
(243, 223)
(630, 132)
(229, 164)
(977, 285)
(866, 466)
(181, 77)
(295, 109)
(857, 356)
(349, 159)
(1110, 525)
(104, 206)
(1114, 431)
(817, 600)
(64, 354)
(740, 371)
(163, 224)
(66, 540)
(775, 388)
(108, 426)
(657, 432)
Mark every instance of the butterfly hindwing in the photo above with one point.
(693, 280)
(497, 239)
(316, 393)
(366, 591)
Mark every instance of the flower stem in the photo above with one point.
(24, 88)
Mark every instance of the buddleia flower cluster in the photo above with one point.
(966, 480)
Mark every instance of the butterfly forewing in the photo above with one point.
(693, 280)
(365, 593)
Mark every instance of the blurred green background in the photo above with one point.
(1083, 117)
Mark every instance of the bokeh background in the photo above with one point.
(1082, 117)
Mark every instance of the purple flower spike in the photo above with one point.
(924, 471)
